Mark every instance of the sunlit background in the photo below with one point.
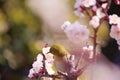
(25, 27)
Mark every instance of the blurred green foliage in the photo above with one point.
(19, 30)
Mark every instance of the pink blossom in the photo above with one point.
(45, 50)
(114, 19)
(94, 8)
(39, 57)
(77, 33)
(49, 57)
(65, 25)
(115, 32)
(49, 68)
(86, 3)
(49, 60)
(37, 65)
(100, 13)
(79, 12)
(95, 21)
(77, 4)
(32, 73)
(88, 50)
(104, 5)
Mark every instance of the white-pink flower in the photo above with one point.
(86, 3)
(79, 13)
(37, 65)
(77, 32)
(104, 5)
(114, 19)
(45, 50)
(49, 57)
(65, 25)
(100, 13)
(115, 32)
(94, 8)
(88, 50)
(49, 68)
(77, 4)
(31, 73)
(95, 21)
(39, 57)
(49, 60)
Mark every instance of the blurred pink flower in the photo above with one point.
(65, 25)
(77, 32)
(115, 32)
(104, 5)
(114, 19)
(32, 73)
(100, 13)
(86, 3)
(88, 50)
(41, 62)
(95, 21)
(49, 68)
(48, 56)
(45, 50)
(79, 13)
(39, 57)
(37, 65)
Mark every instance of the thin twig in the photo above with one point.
(87, 12)
(81, 70)
(79, 60)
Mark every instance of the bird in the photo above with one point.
(60, 58)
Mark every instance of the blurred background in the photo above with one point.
(26, 26)
(20, 30)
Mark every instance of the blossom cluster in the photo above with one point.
(114, 20)
(42, 65)
(78, 33)
(98, 11)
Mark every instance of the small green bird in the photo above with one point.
(60, 56)
(58, 50)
